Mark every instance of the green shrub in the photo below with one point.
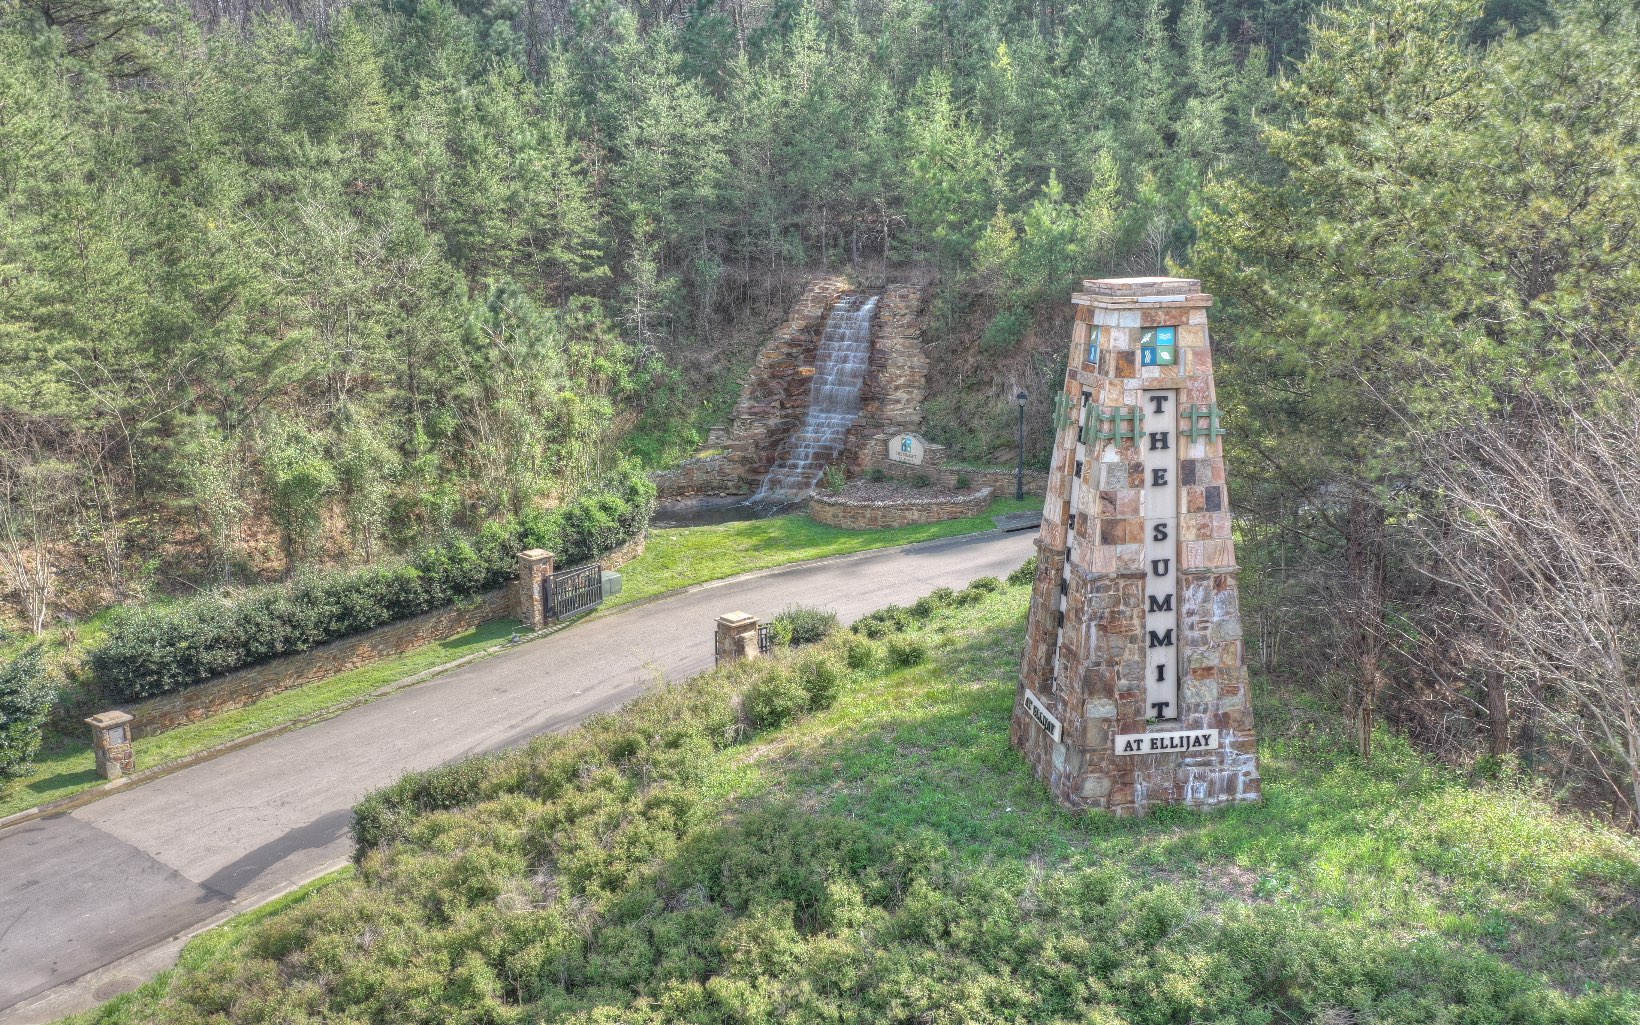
(876, 475)
(976, 591)
(150, 650)
(775, 699)
(860, 653)
(821, 678)
(920, 480)
(932, 602)
(25, 700)
(1025, 575)
(835, 479)
(905, 652)
(384, 815)
(964, 481)
(1005, 331)
(887, 620)
(803, 624)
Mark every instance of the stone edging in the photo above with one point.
(855, 513)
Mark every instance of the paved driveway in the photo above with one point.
(81, 891)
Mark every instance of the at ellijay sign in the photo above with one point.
(1043, 717)
(1177, 742)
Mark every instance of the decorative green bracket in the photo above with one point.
(1200, 421)
(1119, 423)
(1064, 412)
(1134, 420)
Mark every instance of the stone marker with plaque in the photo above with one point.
(907, 448)
(1133, 691)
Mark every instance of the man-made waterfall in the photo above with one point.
(834, 403)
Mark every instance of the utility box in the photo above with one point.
(612, 584)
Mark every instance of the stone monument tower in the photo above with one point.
(1133, 691)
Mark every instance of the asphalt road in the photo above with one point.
(97, 886)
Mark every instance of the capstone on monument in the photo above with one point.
(1133, 691)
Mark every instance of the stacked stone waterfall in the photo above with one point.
(840, 365)
(1133, 690)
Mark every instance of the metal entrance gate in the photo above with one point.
(573, 590)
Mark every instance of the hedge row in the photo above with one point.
(156, 649)
(25, 698)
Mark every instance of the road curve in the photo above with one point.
(97, 886)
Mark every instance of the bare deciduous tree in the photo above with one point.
(37, 506)
(1537, 551)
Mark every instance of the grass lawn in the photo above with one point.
(694, 555)
(65, 765)
(889, 858)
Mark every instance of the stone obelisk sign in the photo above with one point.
(1133, 691)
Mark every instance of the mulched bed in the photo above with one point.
(885, 493)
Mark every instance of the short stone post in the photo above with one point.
(534, 567)
(736, 637)
(111, 740)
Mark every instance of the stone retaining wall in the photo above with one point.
(624, 554)
(712, 475)
(1036, 481)
(250, 685)
(944, 475)
(858, 514)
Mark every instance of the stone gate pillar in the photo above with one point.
(534, 567)
(111, 742)
(736, 637)
(1133, 690)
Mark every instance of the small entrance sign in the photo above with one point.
(1043, 717)
(907, 448)
(1178, 742)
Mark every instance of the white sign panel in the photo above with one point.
(1043, 717)
(1179, 742)
(1161, 505)
(906, 448)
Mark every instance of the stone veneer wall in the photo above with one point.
(250, 685)
(897, 379)
(861, 514)
(709, 475)
(937, 470)
(1036, 481)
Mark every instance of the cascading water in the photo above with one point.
(834, 403)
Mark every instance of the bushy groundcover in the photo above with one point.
(740, 848)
